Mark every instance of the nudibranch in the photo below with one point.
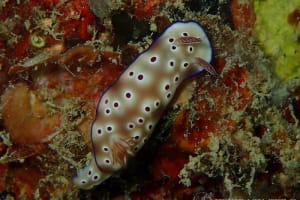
(129, 110)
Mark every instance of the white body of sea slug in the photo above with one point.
(129, 109)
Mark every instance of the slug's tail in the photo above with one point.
(90, 176)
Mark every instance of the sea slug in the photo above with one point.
(129, 110)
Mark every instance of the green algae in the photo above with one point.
(278, 38)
